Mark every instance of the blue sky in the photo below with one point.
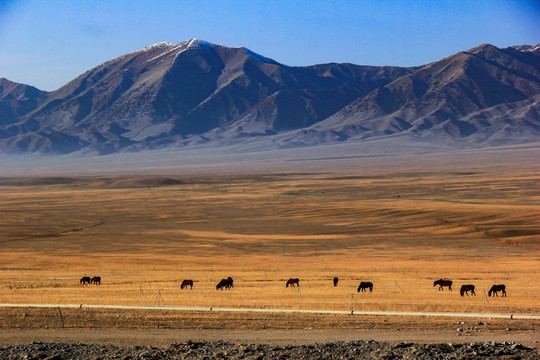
(48, 43)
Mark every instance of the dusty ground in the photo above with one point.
(161, 328)
(401, 224)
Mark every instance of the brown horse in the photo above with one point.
(187, 283)
(465, 290)
(96, 280)
(365, 285)
(496, 288)
(85, 280)
(225, 283)
(442, 283)
(292, 282)
(336, 281)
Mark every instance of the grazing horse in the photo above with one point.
(466, 288)
(336, 281)
(442, 283)
(225, 283)
(85, 280)
(364, 285)
(496, 288)
(292, 282)
(187, 283)
(96, 280)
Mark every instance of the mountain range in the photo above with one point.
(197, 93)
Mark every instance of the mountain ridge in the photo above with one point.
(196, 92)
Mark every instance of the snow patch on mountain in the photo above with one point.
(193, 44)
(534, 48)
(163, 54)
(197, 44)
(163, 44)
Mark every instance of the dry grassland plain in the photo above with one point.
(398, 226)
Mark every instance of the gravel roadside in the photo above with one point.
(358, 349)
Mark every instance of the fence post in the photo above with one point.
(61, 317)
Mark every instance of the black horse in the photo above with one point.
(85, 280)
(187, 283)
(336, 281)
(293, 282)
(96, 280)
(496, 288)
(465, 290)
(365, 285)
(442, 283)
(225, 283)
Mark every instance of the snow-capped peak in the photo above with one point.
(197, 44)
(163, 44)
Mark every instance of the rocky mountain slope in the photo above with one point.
(198, 93)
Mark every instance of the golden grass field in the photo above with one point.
(400, 227)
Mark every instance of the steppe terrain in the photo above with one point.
(400, 222)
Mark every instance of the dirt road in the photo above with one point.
(248, 310)
(164, 326)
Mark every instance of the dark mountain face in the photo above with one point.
(16, 100)
(195, 92)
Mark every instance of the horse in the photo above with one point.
(364, 285)
(225, 283)
(292, 282)
(496, 288)
(85, 280)
(187, 283)
(336, 281)
(96, 280)
(466, 288)
(442, 283)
